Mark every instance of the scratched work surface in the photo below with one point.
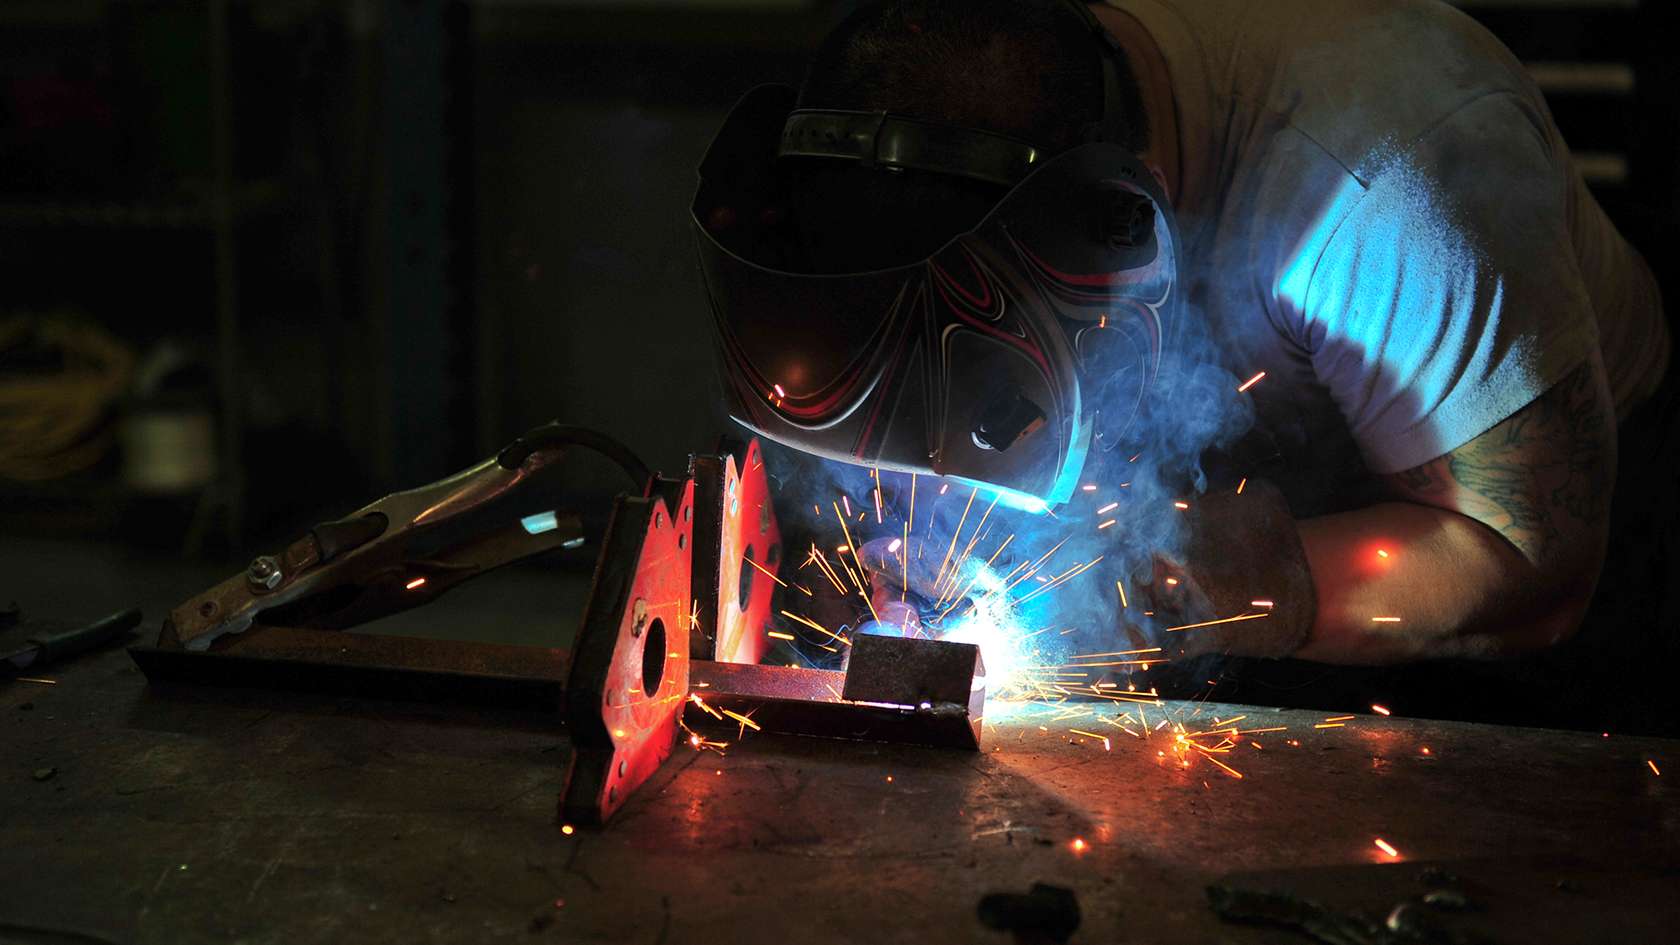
(213, 816)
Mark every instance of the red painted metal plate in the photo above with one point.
(629, 676)
(749, 533)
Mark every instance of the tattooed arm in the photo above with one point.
(1491, 549)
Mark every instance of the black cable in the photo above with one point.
(556, 434)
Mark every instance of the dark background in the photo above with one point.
(386, 236)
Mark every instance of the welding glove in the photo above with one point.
(1243, 558)
(902, 584)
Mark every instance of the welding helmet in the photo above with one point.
(1002, 359)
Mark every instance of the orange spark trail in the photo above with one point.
(816, 626)
(767, 573)
(1209, 623)
(939, 578)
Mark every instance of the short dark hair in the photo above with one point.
(1026, 68)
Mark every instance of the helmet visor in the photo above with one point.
(963, 363)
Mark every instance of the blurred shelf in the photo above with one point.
(25, 211)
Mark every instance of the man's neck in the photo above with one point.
(1150, 68)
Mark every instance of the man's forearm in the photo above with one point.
(1399, 581)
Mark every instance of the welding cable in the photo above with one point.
(552, 435)
(55, 424)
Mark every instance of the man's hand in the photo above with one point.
(1241, 586)
(1494, 549)
(1240, 547)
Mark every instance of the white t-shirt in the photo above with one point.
(1378, 211)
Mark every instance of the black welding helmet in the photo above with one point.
(1000, 360)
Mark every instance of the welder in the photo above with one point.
(974, 241)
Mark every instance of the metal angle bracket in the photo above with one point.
(629, 677)
(910, 691)
(735, 522)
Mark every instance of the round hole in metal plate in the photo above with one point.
(744, 592)
(621, 767)
(653, 657)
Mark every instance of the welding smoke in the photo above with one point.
(1191, 414)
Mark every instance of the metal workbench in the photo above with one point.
(214, 815)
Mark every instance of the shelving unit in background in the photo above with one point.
(1610, 80)
(211, 207)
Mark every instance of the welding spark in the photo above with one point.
(694, 697)
(1654, 769)
(567, 829)
(1380, 710)
(892, 548)
(1103, 738)
(1385, 619)
(818, 627)
(778, 635)
(1209, 623)
(1386, 847)
(745, 720)
(1251, 382)
(763, 570)
(1381, 553)
(1181, 505)
(416, 583)
(1241, 484)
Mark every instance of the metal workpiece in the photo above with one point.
(915, 692)
(913, 672)
(369, 666)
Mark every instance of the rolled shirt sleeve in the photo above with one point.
(1449, 297)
